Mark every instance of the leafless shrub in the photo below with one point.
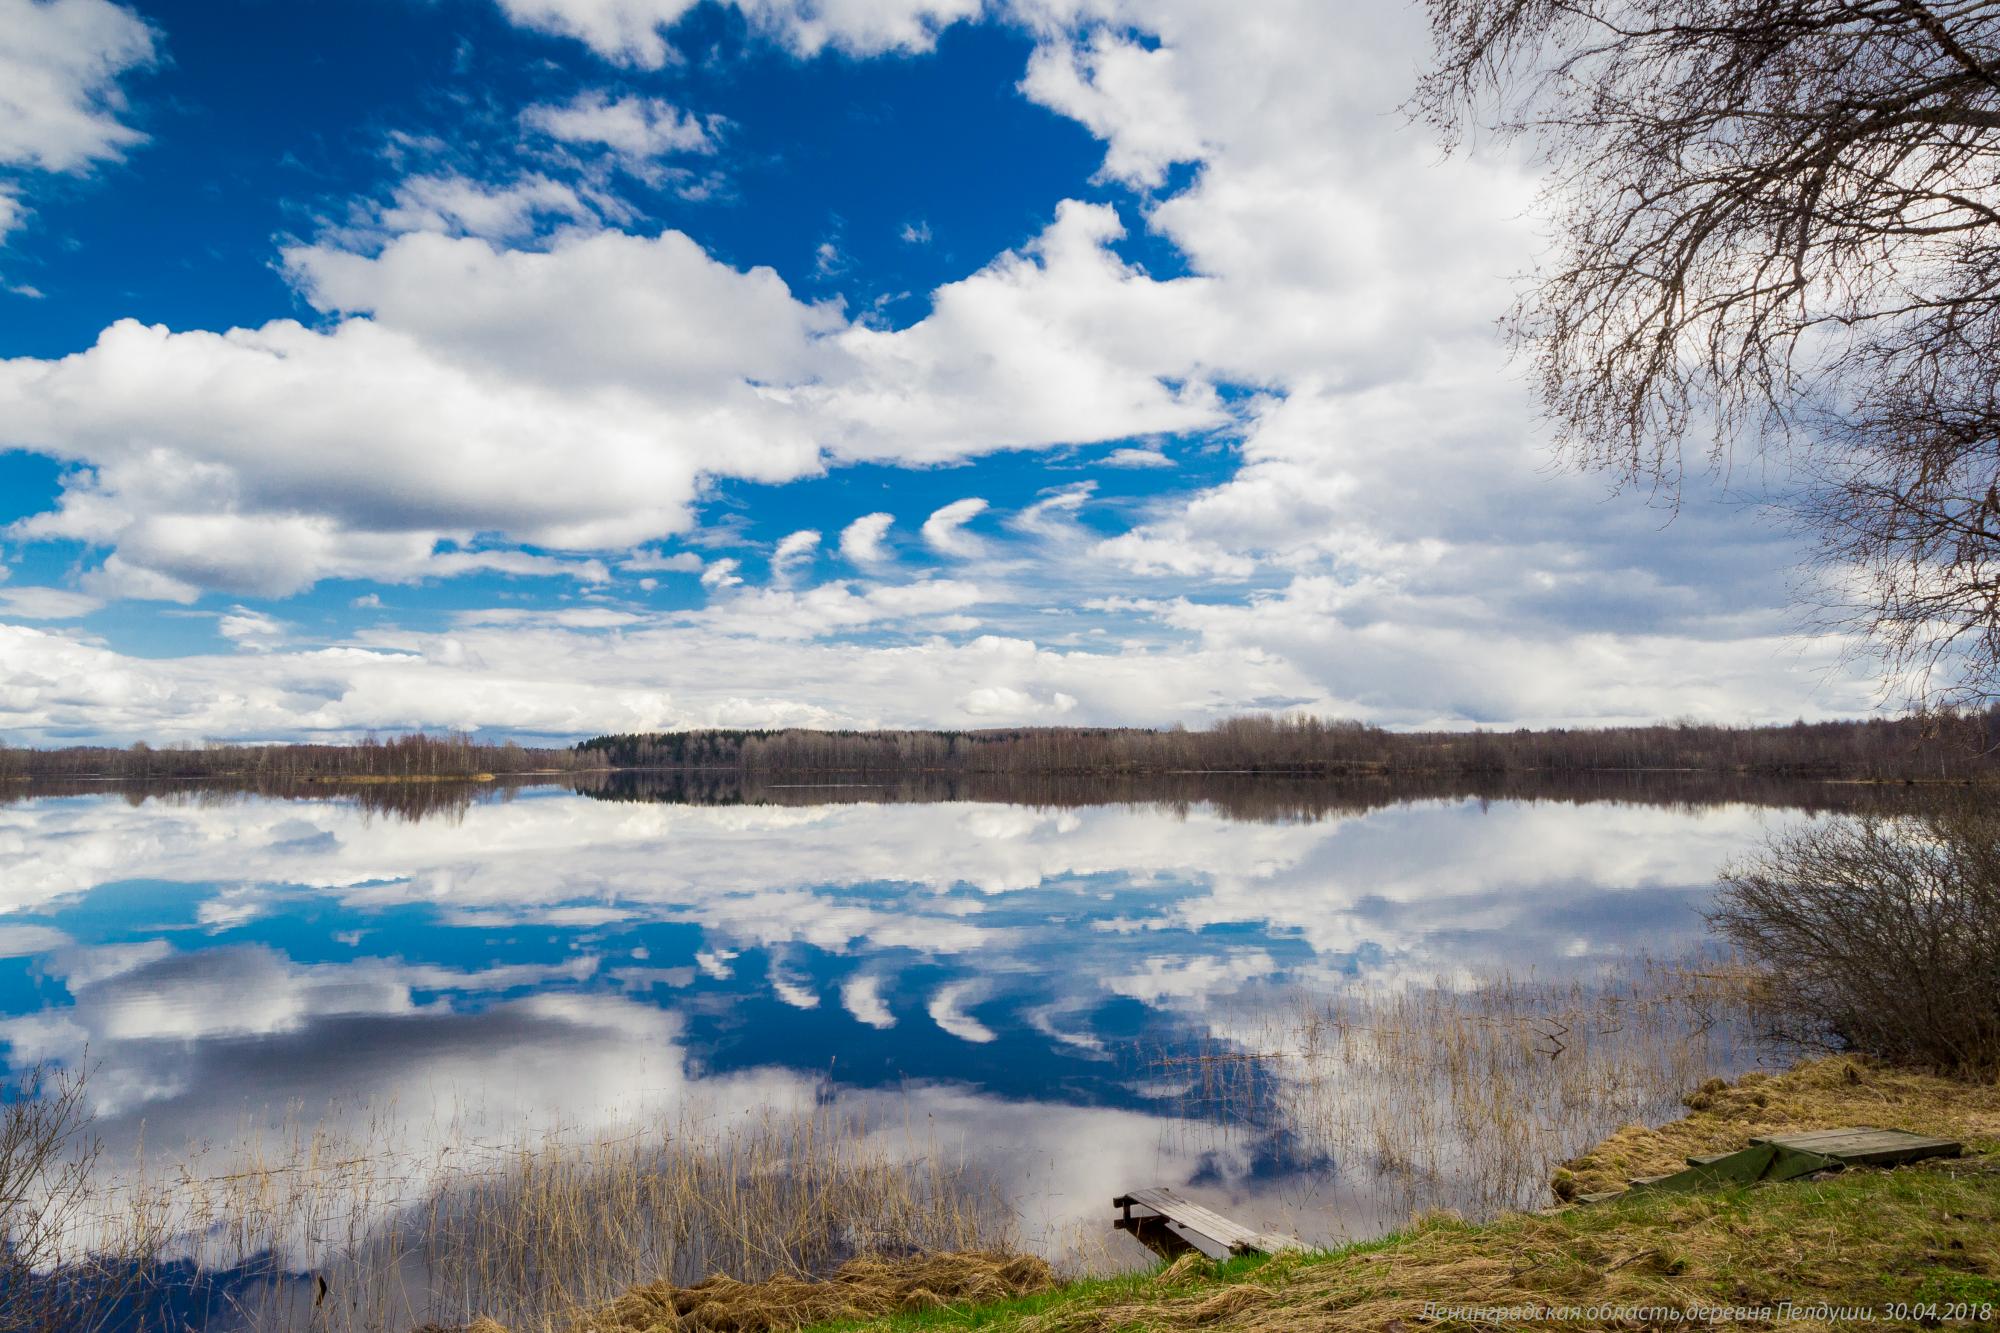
(47, 1154)
(1880, 934)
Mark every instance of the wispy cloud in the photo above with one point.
(861, 995)
(1052, 517)
(252, 630)
(636, 31)
(947, 1010)
(945, 530)
(502, 211)
(1137, 458)
(794, 553)
(635, 128)
(47, 603)
(661, 562)
(862, 540)
(721, 573)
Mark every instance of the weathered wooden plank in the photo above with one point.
(1188, 1213)
(1172, 1224)
(1168, 1240)
(1177, 1206)
(1865, 1145)
(1208, 1245)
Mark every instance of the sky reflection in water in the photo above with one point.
(997, 971)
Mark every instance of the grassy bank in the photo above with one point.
(1822, 1094)
(1921, 1235)
(1925, 1236)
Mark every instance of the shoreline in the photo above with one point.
(1914, 1246)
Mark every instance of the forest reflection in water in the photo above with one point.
(1244, 796)
(1317, 1005)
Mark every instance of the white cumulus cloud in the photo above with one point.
(636, 31)
(574, 397)
(61, 108)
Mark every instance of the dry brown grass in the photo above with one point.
(860, 1289)
(1928, 1234)
(1819, 1094)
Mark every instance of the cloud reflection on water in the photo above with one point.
(997, 970)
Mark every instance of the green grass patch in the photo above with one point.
(999, 1314)
(1927, 1235)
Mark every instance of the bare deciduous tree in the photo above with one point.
(1774, 220)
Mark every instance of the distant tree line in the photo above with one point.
(1948, 745)
(1264, 797)
(1940, 745)
(400, 758)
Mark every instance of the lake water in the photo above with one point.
(1015, 979)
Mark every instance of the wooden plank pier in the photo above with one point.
(1780, 1157)
(1864, 1145)
(1170, 1226)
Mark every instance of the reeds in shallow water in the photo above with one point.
(1466, 1095)
(345, 1234)
(1385, 1100)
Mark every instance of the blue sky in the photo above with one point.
(542, 367)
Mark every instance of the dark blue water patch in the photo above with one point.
(167, 1297)
(26, 988)
(747, 1027)
(1259, 932)
(127, 909)
(667, 943)
(1273, 1156)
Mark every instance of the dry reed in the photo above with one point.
(350, 1233)
(1467, 1097)
(859, 1289)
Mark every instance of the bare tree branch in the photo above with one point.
(1777, 225)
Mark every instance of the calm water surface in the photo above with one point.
(1001, 973)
